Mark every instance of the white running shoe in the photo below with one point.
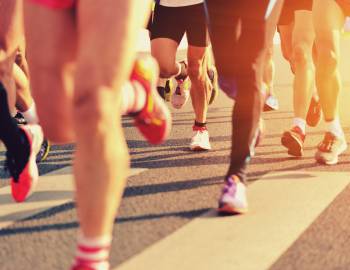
(200, 140)
(233, 199)
(181, 94)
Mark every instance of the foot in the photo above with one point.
(213, 76)
(314, 113)
(330, 148)
(24, 180)
(20, 119)
(233, 199)
(44, 151)
(200, 140)
(181, 94)
(271, 103)
(293, 140)
(165, 92)
(154, 120)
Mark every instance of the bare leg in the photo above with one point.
(302, 43)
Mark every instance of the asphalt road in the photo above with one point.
(178, 185)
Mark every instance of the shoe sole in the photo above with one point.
(292, 144)
(227, 209)
(333, 161)
(198, 148)
(33, 168)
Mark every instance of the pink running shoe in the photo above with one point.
(24, 181)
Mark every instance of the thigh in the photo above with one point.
(108, 32)
(164, 51)
(168, 22)
(303, 31)
(50, 48)
(224, 26)
(196, 27)
(286, 34)
(328, 21)
(11, 27)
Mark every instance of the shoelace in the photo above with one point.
(327, 143)
(230, 186)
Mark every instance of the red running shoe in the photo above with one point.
(154, 120)
(293, 140)
(24, 181)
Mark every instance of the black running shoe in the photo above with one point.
(20, 119)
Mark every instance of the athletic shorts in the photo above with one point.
(56, 3)
(174, 22)
(345, 6)
(289, 8)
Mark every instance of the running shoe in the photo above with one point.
(24, 180)
(271, 103)
(154, 120)
(19, 118)
(165, 92)
(200, 140)
(233, 199)
(81, 267)
(213, 76)
(314, 113)
(181, 95)
(330, 148)
(44, 151)
(293, 140)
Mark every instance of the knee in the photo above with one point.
(327, 61)
(300, 57)
(166, 71)
(195, 72)
(93, 107)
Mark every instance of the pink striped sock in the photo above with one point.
(133, 98)
(92, 253)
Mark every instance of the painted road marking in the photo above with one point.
(282, 206)
(53, 189)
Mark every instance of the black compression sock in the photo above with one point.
(13, 137)
(199, 124)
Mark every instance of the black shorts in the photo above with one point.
(289, 8)
(174, 22)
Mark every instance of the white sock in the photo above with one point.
(133, 97)
(179, 72)
(335, 128)
(301, 123)
(93, 252)
(30, 115)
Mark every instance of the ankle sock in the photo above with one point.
(93, 252)
(133, 97)
(301, 123)
(335, 128)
